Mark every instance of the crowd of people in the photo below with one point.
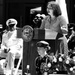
(45, 63)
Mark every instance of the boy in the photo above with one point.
(43, 61)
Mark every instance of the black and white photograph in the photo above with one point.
(37, 37)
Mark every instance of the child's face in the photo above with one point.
(41, 50)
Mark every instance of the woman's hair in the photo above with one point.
(56, 8)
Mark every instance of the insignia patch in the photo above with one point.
(27, 33)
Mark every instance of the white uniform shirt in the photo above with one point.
(10, 40)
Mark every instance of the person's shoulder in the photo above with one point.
(60, 17)
(18, 28)
(46, 17)
(37, 58)
(5, 32)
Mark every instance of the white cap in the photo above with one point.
(44, 42)
(11, 21)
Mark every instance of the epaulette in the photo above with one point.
(5, 31)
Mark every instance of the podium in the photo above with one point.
(46, 34)
(30, 49)
(50, 36)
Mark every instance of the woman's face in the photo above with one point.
(49, 10)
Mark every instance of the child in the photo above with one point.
(42, 62)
